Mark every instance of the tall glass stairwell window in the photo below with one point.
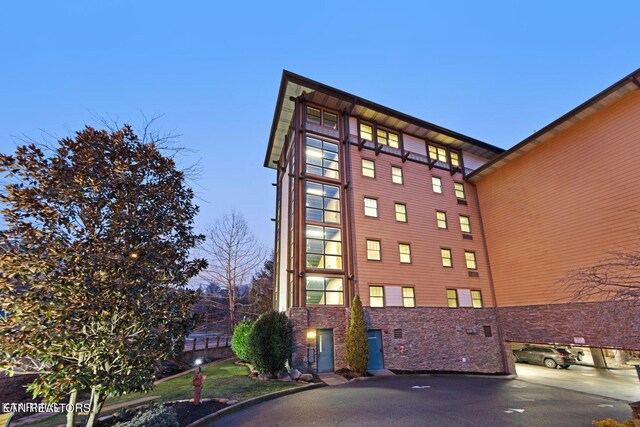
(322, 158)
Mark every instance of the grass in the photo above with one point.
(224, 379)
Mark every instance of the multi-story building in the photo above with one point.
(374, 202)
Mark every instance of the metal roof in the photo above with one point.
(293, 85)
(607, 97)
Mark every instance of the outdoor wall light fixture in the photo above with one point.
(311, 334)
(197, 362)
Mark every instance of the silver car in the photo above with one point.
(547, 356)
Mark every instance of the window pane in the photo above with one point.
(437, 184)
(315, 261)
(322, 158)
(408, 298)
(465, 226)
(314, 215)
(366, 132)
(476, 299)
(330, 120)
(452, 298)
(470, 258)
(376, 296)
(382, 137)
(442, 155)
(441, 218)
(370, 207)
(333, 262)
(313, 115)
(314, 297)
(314, 202)
(394, 140)
(373, 250)
(368, 168)
(401, 212)
(459, 188)
(445, 254)
(396, 175)
(324, 291)
(405, 253)
(455, 159)
(315, 246)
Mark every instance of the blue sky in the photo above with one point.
(496, 71)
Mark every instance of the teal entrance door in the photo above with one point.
(375, 350)
(325, 350)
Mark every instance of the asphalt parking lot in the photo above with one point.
(423, 400)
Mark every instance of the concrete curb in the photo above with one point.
(251, 402)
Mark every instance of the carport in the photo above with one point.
(604, 372)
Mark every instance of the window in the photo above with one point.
(452, 298)
(388, 138)
(330, 120)
(464, 298)
(323, 203)
(401, 212)
(476, 299)
(437, 184)
(470, 259)
(408, 297)
(366, 132)
(376, 296)
(396, 175)
(370, 207)
(445, 254)
(368, 168)
(405, 253)
(324, 118)
(313, 115)
(459, 188)
(441, 218)
(373, 250)
(324, 291)
(455, 159)
(322, 158)
(324, 247)
(437, 154)
(465, 225)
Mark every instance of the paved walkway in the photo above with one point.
(381, 373)
(332, 379)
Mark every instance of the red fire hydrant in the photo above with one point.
(197, 386)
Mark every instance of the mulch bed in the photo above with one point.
(188, 412)
(346, 373)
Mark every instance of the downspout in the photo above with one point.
(505, 363)
(354, 258)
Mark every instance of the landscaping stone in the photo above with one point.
(232, 402)
(265, 377)
(222, 400)
(295, 374)
(284, 376)
(306, 377)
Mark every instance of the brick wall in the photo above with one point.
(434, 338)
(437, 339)
(602, 324)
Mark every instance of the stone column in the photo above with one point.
(598, 358)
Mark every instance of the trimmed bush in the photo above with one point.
(357, 344)
(239, 340)
(161, 416)
(269, 342)
(613, 423)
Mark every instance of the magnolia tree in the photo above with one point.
(94, 263)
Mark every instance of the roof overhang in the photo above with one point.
(607, 97)
(293, 85)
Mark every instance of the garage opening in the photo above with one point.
(602, 371)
